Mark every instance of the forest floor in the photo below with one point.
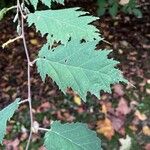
(126, 111)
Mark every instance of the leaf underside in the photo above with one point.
(80, 67)
(5, 115)
(73, 136)
(62, 24)
(46, 2)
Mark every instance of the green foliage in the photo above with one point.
(80, 67)
(2, 13)
(73, 136)
(46, 2)
(5, 115)
(72, 64)
(145, 105)
(132, 9)
(102, 7)
(113, 6)
(62, 27)
(113, 9)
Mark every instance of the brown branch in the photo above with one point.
(28, 71)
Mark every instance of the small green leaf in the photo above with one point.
(5, 115)
(80, 67)
(101, 10)
(73, 136)
(137, 13)
(2, 13)
(46, 2)
(63, 24)
(114, 9)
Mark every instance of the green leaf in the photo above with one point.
(80, 67)
(63, 24)
(46, 2)
(2, 13)
(137, 13)
(73, 136)
(102, 7)
(5, 115)
(114, 9)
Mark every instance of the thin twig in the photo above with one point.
(28, 72)
(12, 7)
(106, 42)
(30, 107)
(19, 6)
(23, 101)
(23, 34)
(44, 129)
(29, 139)
(11, 41)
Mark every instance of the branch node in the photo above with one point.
(35, 127)
(33, 62)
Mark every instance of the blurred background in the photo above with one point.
(121, 118)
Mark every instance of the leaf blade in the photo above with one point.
(83, 71)
(67, 136)
(46, 2)
(5, 115)
(62, 27)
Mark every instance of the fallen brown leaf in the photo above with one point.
(123, 107)
(105, 127)
(140, 116)
(146, 130)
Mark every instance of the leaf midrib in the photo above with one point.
(79, 67)
(54, 62)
